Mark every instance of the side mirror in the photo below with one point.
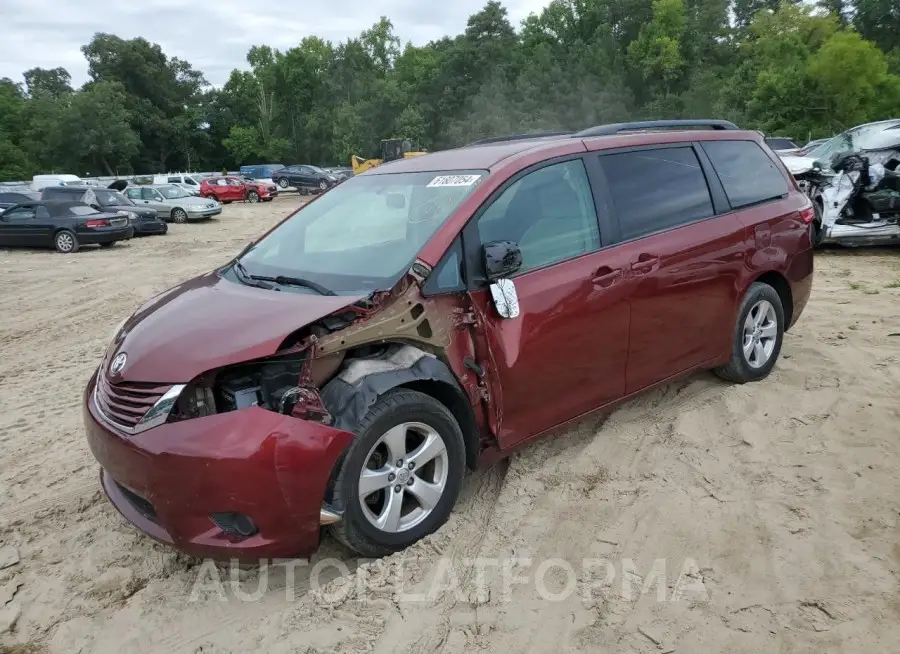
(501, 259)
(395, 201)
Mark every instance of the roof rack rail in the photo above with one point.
(650, 125)
(517, 137)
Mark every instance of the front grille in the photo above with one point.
(143, 506)
(126, 404)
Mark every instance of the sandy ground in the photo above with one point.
(703, 517)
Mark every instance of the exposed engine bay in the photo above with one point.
(332, 371)
(857, 201)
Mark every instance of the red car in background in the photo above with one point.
(230, 189)
(223, 189)
(259, 190)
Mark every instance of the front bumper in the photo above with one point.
(170, 480)
(200, 214)
(155, 226)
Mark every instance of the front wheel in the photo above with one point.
(253, 196)
(401, 476)
(66, 242)
(179, 216)
(283, 183)
(323, 185)
(758, 336)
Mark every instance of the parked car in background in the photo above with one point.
(39, 182)
(9, 198)
(144, 221)
(65, 226)
(189, 182)
(260, 190)
(853, 180)
(262, 172)
(806, 149)
(351, 387)
(781, 144)
(173, 203)
(224, 189)
(304, 178)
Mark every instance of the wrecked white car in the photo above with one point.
(853, 180)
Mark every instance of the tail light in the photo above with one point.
(807, 215)
(97, 223)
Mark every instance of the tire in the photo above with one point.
(253, 196)
(179, 215)
(66, 242)
(323, 185)
(283, 183)
(420, 417)
(760, 308)
(107, 245)
(212, 197)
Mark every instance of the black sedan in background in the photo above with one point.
(304, 178)
(65, 226)
(9, 198)
(144, 221)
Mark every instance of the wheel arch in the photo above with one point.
(348, 396)
(781, 285)
(174, 209)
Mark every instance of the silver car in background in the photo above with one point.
(173, 203)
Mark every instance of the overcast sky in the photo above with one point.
(214, 35)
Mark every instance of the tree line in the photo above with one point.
(785, 67)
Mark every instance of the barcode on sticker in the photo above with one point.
(454, 180)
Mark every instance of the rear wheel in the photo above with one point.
(758, 336)
(401, 476)
(179, 215)
(66, 242)
(253, 196)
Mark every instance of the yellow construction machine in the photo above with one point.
(391, 149)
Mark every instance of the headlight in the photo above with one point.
(128, 214)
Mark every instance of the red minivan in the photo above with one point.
(433, 315)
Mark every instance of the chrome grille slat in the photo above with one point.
(126, 404)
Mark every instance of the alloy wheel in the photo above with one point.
(404, 477)
(283, 183)
(179, 216)
(65, 242)
(760, 334)
(253, 196)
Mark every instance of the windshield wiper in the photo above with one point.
(282, 280)
(247, 278)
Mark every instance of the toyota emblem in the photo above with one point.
(118, 363)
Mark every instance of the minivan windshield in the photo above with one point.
(362, 235)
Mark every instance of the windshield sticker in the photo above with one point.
(454, 180)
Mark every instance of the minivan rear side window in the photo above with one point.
(746, 171)
(656, 190)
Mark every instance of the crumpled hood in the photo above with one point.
(209, 322)
(798, 165)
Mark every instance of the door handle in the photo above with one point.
(645, 263)
(606, 277)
